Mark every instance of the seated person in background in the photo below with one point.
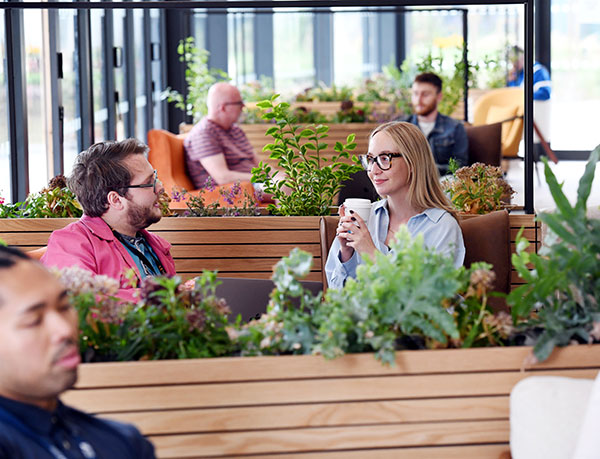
(216, 147)
(119, 192)
(401, 167)
(542, 88)
(38, 361)
(446, 136)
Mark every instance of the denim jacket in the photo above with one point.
(448, 139)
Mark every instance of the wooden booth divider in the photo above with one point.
(235, 246)
(451, 403)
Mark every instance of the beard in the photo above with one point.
(140, 217)
(426, 109)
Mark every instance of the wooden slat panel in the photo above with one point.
(233, 264)
(240, 237)
(26, 239)
(115, 374)
(34, 224)
(235, 223)
(311, 276)
(532, 248)
(529, 233)
(303, 391)
(317, 415)
(237, 251)
(497, 451)
(340, 438)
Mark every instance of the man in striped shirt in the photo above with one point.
(216, 147)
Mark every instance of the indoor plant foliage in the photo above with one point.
(308, 184)
(560, 301)
(54, 201)
(170, 319)
(407, 299)
(477, 189)
(198, 77)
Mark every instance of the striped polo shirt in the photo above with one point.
(207, 138)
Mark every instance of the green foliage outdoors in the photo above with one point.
(55, 201)
(308, 184)
(198, 77)
(559, 301)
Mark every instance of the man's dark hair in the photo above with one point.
(10, 256)
(100, 170)
(431, 78)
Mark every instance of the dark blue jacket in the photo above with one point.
(542, 86)
(28, 432)
(448, 139)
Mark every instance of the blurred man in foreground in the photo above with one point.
(38, 361)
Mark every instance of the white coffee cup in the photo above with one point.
(360, 206)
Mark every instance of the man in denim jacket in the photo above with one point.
(447, 137)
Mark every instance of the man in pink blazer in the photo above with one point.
(118, 191)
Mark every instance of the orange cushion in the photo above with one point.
(167, 156)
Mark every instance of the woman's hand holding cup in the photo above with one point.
(353, 233)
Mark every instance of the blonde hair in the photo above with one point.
(424, 189)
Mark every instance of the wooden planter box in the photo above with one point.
(337, 133)
(235, 246)
(433, 404)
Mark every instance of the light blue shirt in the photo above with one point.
(440, 231)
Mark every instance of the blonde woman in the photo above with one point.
(401, 167)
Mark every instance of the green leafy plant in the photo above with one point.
(559, 301)
(199, 78)
(308, 184)
(54, 201)
(323, 93)
(255, 91)
(240, 202)
(477, 189)
(411, 295)
(171, 319)
(287, 326)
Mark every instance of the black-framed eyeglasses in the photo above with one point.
(238, 102)
(147, 185)
(384, 160)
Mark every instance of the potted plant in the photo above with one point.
(477, 189)
(304, 184)
(559, 304)
(199, 77)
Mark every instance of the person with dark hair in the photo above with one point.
(38, 361)
(446, 136)
(542, 89)
(119, 193)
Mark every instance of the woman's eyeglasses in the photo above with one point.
(384, 160)
(147, 185)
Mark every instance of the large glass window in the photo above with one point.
(294, 66)
(348, 47)
(4, 142)
(141, 102)
(119, 54)
(36, 110)
(158, 83)
(97, 27)
(240, 28)
(68, 86)
(575, 74)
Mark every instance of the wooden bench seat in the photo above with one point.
(432, 404)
